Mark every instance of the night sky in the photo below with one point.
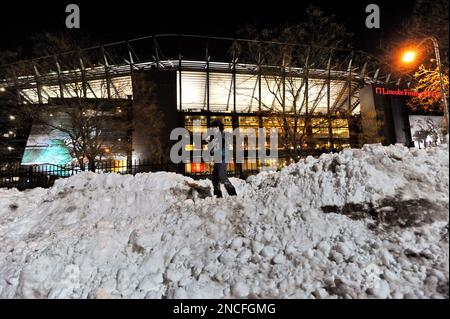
(109, 21)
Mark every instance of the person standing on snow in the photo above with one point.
(220, 168)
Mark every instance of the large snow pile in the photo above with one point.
(369, 223)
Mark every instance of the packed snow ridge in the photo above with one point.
(364, 223)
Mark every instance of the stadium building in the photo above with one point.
(194, 79)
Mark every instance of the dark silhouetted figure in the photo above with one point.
(220, 169)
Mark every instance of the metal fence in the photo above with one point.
(27, 177)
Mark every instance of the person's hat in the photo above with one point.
(218, 123)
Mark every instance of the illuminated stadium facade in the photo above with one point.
(197, 78)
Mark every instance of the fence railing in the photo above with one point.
(32, 176)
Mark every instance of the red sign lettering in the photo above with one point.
(405, 92)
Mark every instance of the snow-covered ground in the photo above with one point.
(369, 223)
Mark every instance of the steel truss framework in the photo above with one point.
(78, 71)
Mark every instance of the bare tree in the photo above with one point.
(285, 69)
(430, 18)
(85, 124)
(427, 83)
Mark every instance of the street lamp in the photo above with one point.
(410, 55)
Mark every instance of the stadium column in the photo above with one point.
(38, 84)
(60, 82)
(234, 116)
(208, 117)
(154, 94)
(180, 66)
(83, 75)
(330, 121)
(130, 113)
(308, 123)
(260, 119)
(16, 85)
(108, 75)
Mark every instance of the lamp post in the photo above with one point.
(409, 57)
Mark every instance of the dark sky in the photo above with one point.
(108, 21)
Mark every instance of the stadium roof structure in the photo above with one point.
(105, 71)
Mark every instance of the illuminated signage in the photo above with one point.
(405, 92)
(198, 167)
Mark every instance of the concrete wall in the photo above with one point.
(384, 118)
(154, 114)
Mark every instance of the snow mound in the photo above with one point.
(368, 223)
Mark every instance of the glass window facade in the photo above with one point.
(120, 88)
(254, 95)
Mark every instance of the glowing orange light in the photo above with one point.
(408, 56)
(198, 167)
